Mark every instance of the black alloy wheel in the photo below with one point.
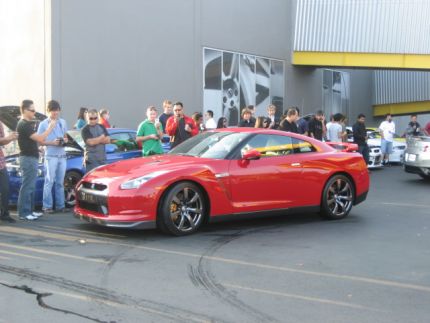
(182, 210)
(70, 180)
(337, 198)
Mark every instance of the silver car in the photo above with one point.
(417, 156)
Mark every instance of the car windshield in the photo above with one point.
(210, 144)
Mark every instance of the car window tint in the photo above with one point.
(270, 145)
(216, 145)
(302, 146)
(124, 141)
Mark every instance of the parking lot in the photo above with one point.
(373, 266)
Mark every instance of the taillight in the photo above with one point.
(426, 148)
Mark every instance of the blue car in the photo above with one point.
(123, 146)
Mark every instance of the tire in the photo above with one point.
(337, 198)
(70, 180)
(182, 209)
(425, 177)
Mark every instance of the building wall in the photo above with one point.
(126, 55)
(363, 26)
(24, 52)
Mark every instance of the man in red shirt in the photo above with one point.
(104, 118)
(179, 126)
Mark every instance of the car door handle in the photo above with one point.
(295, 164)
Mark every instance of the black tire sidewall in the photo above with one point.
(164, 221)
(75, 174)
(325, 210)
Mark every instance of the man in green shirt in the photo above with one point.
(150, 132)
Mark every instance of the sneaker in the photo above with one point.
(29, 217)
(37, 214)
(48, 211)
(7, 218)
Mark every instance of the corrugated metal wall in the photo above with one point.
(365, 26)
(400, 86)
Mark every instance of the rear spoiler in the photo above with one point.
(343, 146)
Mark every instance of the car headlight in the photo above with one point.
(137, 182)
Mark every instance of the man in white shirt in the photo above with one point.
(210, 122)
(387, 130)
(334, 131)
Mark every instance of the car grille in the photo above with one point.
(92, 199)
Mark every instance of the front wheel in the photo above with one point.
(182, 210)
(337, 197)
(70, 180)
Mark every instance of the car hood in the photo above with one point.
(377, 142)
(136, 167)
(11, 114)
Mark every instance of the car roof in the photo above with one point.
(315, 142)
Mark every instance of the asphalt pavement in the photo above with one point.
(373, 266)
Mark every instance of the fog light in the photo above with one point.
(104, 209)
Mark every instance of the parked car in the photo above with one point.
(399, 146)
(224, 173)
(375, 155)
(417, 156)
(123, 146)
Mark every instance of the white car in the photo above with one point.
(399, 147)
(374, 142)
(375, 155)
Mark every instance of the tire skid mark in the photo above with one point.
(202, 276)
(105, 295)
(112, 261)
(41, 302)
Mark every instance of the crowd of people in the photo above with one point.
(93, 124)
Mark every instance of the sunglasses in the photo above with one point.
(93, 118)
(177, 110)
(31, 110)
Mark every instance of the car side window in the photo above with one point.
(302, 146)
(270, 145)
(124, 141)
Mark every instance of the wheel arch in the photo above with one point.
(347, 175)
(200, 186)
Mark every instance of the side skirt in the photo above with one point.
(264, 213)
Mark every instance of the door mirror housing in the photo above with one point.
(251, 154)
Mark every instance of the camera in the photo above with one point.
(61, 141)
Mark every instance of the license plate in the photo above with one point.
(88, 197)
(411, 157)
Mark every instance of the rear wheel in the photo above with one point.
(337, 198)
(70, 180)
(182, 210)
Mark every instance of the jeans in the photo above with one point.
(29, 167)
(55, 169)
(364, 150)
(4, 192)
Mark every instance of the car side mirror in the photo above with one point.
(251, 154)
(110, 148)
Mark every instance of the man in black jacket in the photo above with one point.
(360, 136)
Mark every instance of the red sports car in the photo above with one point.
(224, 173)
